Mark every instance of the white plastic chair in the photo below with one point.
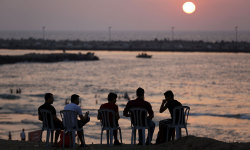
(70, 124)
(48, 125)
(179, 121)
(138, 118)
(109, 124)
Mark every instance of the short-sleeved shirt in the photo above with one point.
(110, 106)
(139, 103)
(73, 107)
(171, 105)
(48, 107)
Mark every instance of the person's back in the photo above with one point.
(83, 119)
(168, 103)
(139, 102)
(49, 99)
(111, 105)
(171, 105)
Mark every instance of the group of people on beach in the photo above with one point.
(168, 103)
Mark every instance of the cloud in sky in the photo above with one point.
(123, 14)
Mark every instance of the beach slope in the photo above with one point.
(185, 143)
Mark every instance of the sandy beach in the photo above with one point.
(185, 143)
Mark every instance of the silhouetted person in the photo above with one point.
(49, 99)
(22, 135)
(168, 103)
(83, 119)
(112, 106)
(126, 96)
(139, 102)
(11, 91)
(10, 137)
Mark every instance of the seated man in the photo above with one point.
(112, 106)
(47, 106)
(83, 119)
(139, 102)
(168, 103)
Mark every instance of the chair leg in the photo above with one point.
(120, 135)
(47, 138)
(107, 136)
(101, 136)
(143, 136)
(134, 136)
(178, 133)
(186, 131)
(149, 136)
(52, 136)
(111, 137)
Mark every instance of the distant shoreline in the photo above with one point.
(136, 45)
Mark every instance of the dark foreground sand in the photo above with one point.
(186, 143)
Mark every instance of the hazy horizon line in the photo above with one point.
(175, 30)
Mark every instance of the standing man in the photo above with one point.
(49, 99)
(140, 102)
(168, 103)
(83, 119)
(22, 135)
(111, 105)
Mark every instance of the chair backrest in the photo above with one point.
(69, 118)
(107, 118)
(138, 117)
(180, 115)
(47, 119)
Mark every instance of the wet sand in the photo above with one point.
(185, 143)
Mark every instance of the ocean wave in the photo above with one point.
(237, 116)
(9, 96)
(27, 121)
(36, 95)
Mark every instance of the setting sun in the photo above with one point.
(188, 7)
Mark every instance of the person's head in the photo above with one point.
(49, 98)
(75, 99)
(169, 95)
(140, 92)
(112, 97)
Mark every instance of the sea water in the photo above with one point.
(216, 86)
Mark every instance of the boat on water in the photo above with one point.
(144, 55)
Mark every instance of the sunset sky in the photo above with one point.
(123, 15)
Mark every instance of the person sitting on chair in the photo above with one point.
(83, 119)
(168, 103)
(140, 102)
(112, 106)
(49, 99)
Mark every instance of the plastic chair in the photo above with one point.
(138, 118)
(70, 124)
(108, 123)
(48, 125)
(179, 121)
